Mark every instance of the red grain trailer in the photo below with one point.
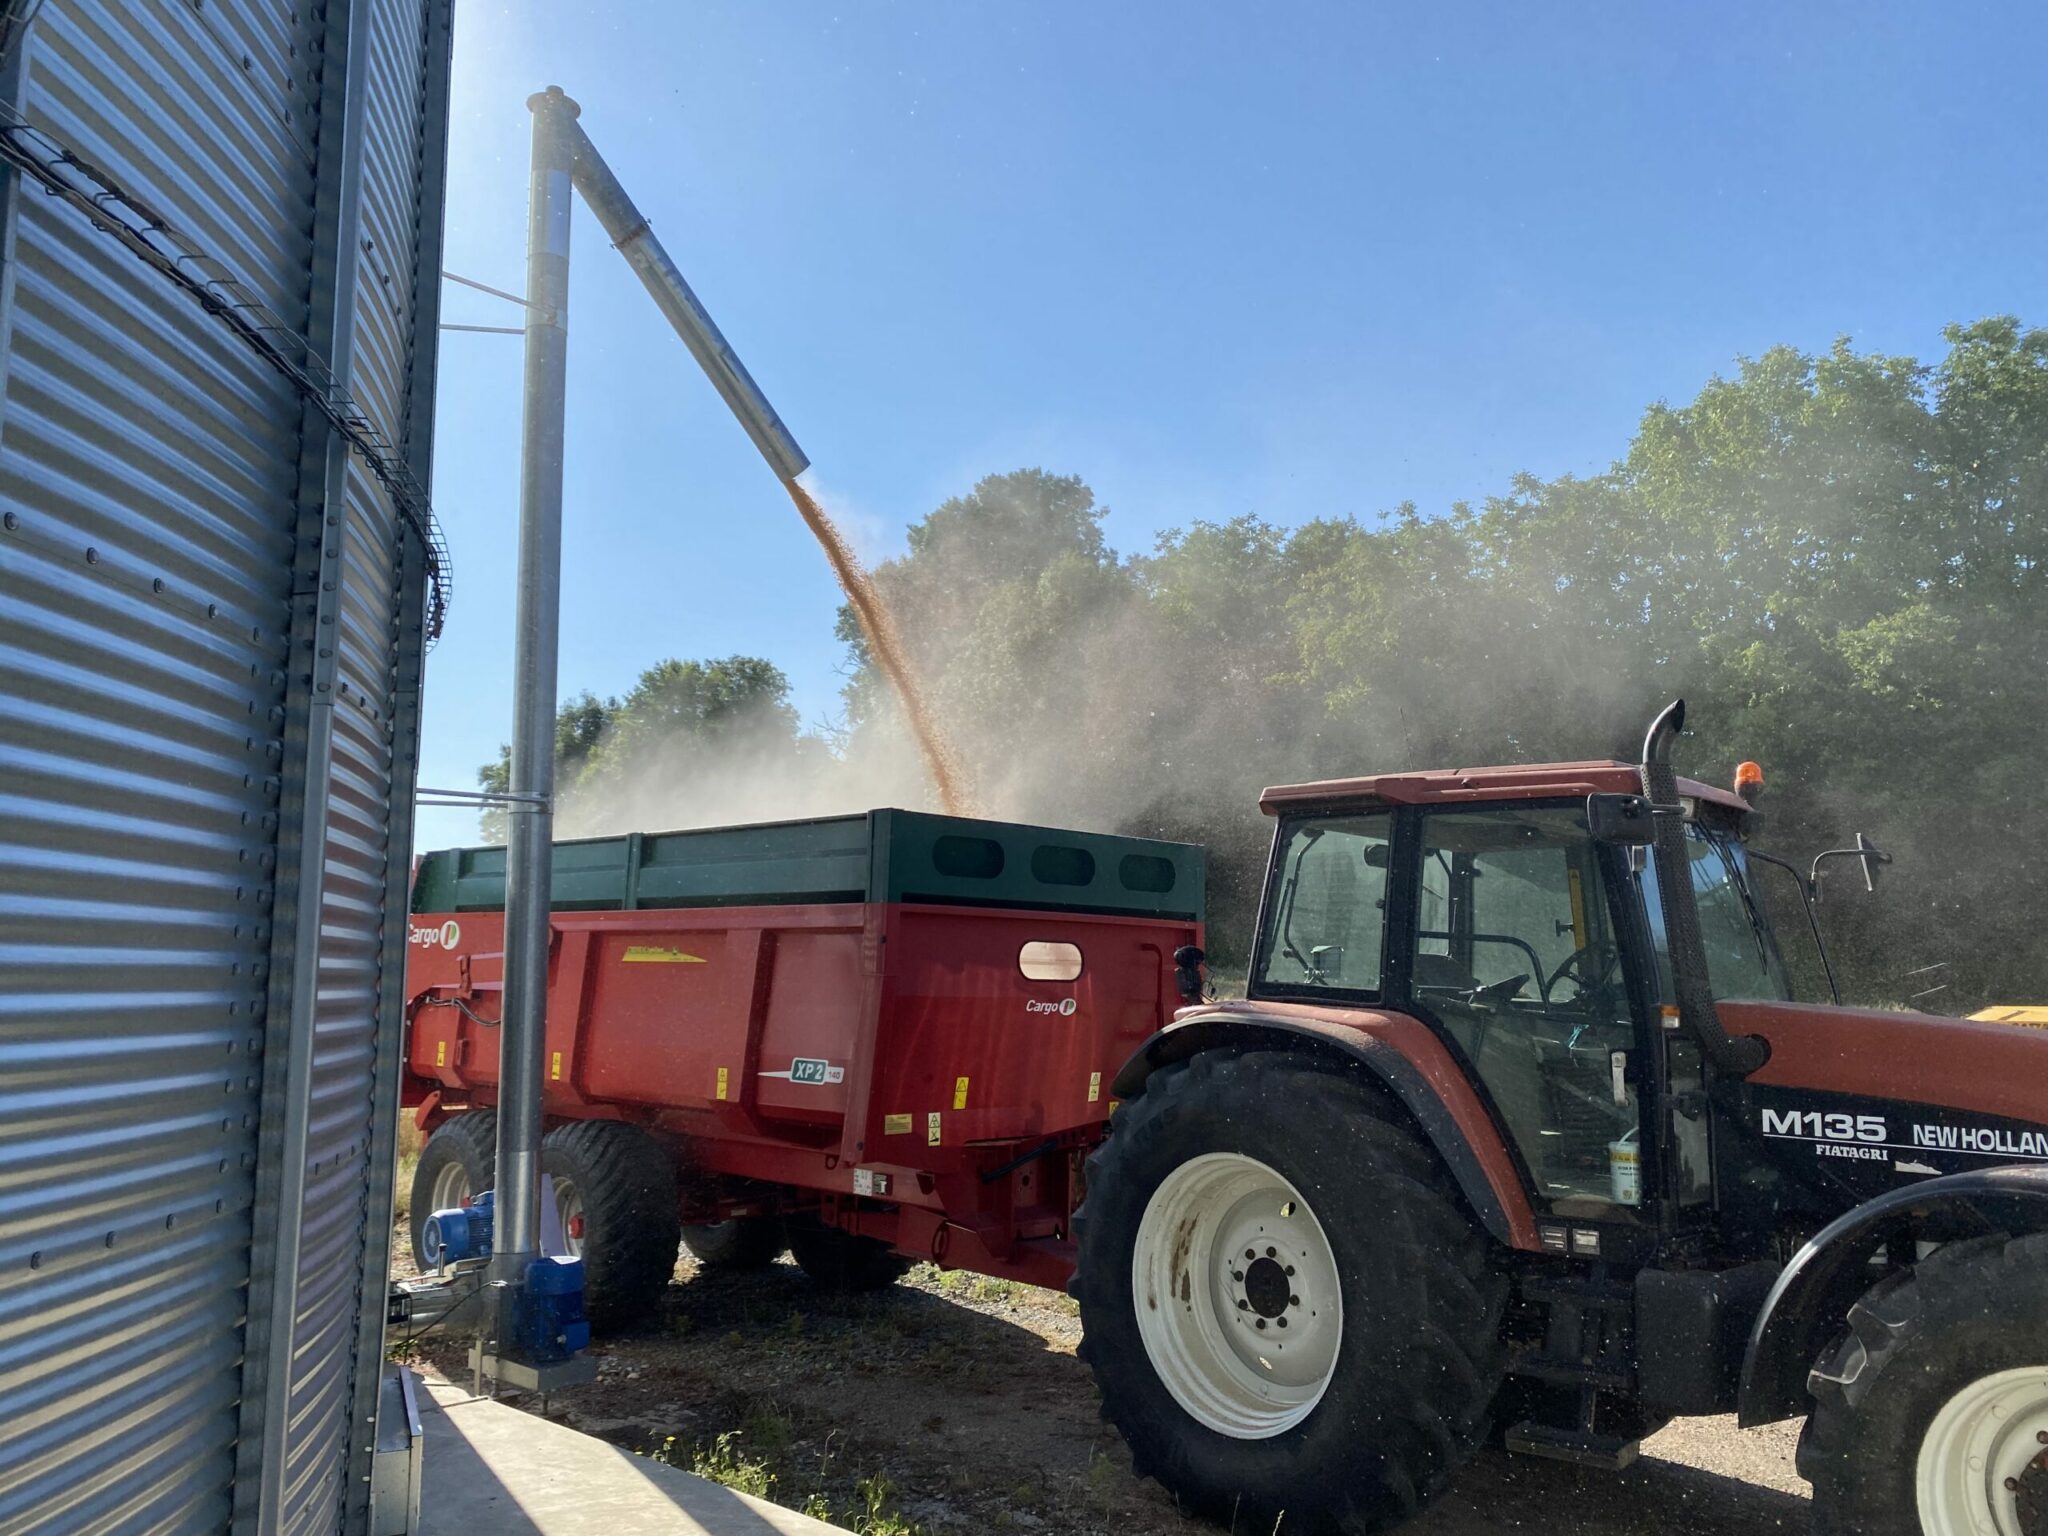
(876, 1037)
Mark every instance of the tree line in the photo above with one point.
(1837, 560)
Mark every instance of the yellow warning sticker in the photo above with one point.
(931, 1129)
(1094, 1087)
(898, 1125)
(555, 1067)
(959, 1093)
(655, 954)
(440, 1053)
(724, 1081)
(2036, 1017)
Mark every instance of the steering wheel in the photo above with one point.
(1591, 968)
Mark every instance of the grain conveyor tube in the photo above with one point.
(634, 238)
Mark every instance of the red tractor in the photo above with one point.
(1518, 1133)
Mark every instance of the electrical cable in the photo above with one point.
(147, 235)
(477, 1289)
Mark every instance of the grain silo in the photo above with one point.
(218, 574)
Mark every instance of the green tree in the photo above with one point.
(1837, 558)
(581, 724)
(684, 725)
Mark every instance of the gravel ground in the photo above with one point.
(955, 1404)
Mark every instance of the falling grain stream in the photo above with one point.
(941, 763)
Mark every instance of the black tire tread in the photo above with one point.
(1454, 1359)
(838, 1260)
(471, 1136)
(743, 1242)
(631, 1227)
(1852, 1451)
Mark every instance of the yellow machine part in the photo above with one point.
(2036, 1017)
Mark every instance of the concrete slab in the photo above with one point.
(492, 1469)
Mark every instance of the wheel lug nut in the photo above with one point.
(1243, 1305)
(1237, 1275)
(1294, 1301)
(1262, 1322)
(1249, 1254)
(2041, 1436)
(1283, 1322)
(2012, 1485)
(1272, 1253)
(1290, 1271)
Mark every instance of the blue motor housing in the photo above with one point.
(460, 1233)
(551, 1322)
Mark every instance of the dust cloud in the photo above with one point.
(740, 778)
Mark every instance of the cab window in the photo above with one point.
(1742, 962)
(1326, 916)
(1516, 959)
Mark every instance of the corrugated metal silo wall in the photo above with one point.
(210, 642)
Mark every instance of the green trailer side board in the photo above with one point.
(882, 856)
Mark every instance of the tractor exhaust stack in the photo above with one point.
(1735, 1056)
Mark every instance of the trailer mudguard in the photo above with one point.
(1403, 1055)
(1814, 1293)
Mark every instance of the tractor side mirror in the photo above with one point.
(1187, 972)
(1866, 853)
(1623, 820)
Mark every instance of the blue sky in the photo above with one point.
(1291, 260)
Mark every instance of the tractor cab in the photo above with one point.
(1484, 903)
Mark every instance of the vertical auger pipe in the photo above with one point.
(629, 232)
(537, 624)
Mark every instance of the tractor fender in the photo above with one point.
(1403, 1055)
(1806, 1308)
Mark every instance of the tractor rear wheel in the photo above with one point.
(837, 1260)
(615, 1194)
(458, 1163)
(744, 1242)
(1930, 1414)
(1291, 1318)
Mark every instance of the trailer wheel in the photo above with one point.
(458, 1163)
(837, 1260)
(745, 1242)
(615, 1192)
(1930, 1414)
(1290, 1316)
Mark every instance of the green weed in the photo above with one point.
(724, 1462)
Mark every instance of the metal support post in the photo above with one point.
(537, 623)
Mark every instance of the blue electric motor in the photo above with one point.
(551, 1322)
(550, 1326)
(462, 1232)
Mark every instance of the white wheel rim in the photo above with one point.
(1247, 1345)
(1978, 1449)
(569, 1210)
(451, 1188)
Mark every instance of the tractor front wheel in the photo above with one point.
(1290, 1316)
(1930, 1414)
